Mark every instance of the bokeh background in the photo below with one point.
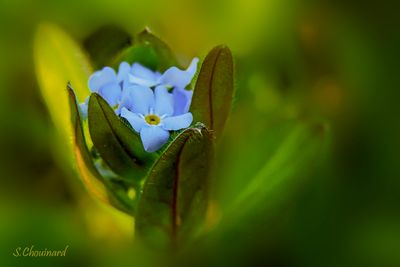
(331, 62)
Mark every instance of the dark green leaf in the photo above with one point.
(149, 51)
(105, 43)
(103, 188)
(116, 143)
(174, 198)
(213, 93)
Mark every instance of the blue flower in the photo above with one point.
(151, 114)
(108, 84)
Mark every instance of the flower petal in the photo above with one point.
(123, 71)
(101, 78)
(142, 72)
(137, 122)
(179, 78)
(143, 76)
(140, 81)
(125, 100)
(182, 99)
(138, 99)
(111, 93)
(153, 137)
(177, 122)
(164, 103)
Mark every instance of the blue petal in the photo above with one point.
(137, 122)
(179, 78)
(182, 100)
(111, 93)
(140, 81)
(123, 71)
(153, 137)
(100, 78)
(138, 99)
(143, 76)
(126, 101)
(164, 103)
(126, 83)
(143, 72)
(177, 122)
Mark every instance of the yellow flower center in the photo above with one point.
(152, 119)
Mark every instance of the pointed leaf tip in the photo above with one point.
(148, 50)
(213, 93)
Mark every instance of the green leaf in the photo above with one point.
(116, 143)
(105, 44)
(174, 198)
(284, 171)
(59, 59)
(149, 51)
(103, 188)
(213, 93)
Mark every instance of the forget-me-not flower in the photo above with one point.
(151, 114)
(141, 96)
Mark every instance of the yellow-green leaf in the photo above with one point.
(59, 59)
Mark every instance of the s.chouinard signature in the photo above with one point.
(33, 252)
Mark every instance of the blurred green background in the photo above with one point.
(331, 62)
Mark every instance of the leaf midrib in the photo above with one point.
(210, 86)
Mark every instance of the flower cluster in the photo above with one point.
(153, 103)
